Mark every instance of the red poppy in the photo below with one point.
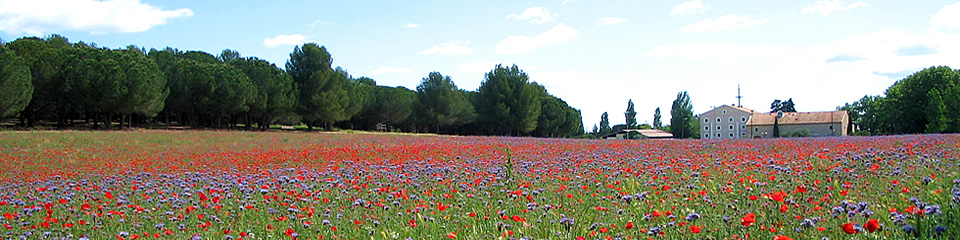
(778, 196)
(629, 225)
(782, 237)
(848, 228)
(695, 229)
(748, 220)
(872, 225)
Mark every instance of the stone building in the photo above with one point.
(730, 122)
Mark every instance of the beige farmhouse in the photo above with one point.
(730, 122)
(725, 121)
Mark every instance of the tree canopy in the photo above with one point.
(16, 87)
(681, 117)
(657, 123)
(927, 101)
(508, 103)
(442, 104)
(47, 80)
(605, 124)
(782, 106)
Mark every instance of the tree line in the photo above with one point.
(927, 101)
(50, 81)
(683, 123)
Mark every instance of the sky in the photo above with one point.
(595, 55)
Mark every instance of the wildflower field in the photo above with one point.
(242, 185)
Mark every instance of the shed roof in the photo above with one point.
(647, 133)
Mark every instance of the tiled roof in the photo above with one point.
(741, 108)
(799, 118)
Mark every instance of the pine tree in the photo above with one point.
(657, 123)
(631, 115)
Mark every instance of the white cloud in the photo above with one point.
(688, 7)
(282, 40)
(477, 67)
(610, 21)
(877, 52)
(448, 49)
(387, 70)
(37, 17)
(728, 22)
(826, 7)
(718, 51)
(536, 15)
(947, 18)
(411, 25)
(515, 44)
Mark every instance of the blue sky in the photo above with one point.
(593, 54)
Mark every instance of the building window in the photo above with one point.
(724, 112)
(731, 135)
(718, 135)
(731, 119)
(706, 128)
(831, 127)
(705, 120)
(743, 119)
(718, 119)
(743, 127)
(743, 134)
(731, 127)
(756, 129)
(706, 136)
(718, 128)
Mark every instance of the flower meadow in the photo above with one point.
(271, 185)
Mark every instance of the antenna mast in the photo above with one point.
(738, 96)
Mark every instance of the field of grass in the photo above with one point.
(296, 185)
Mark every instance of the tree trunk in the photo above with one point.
(107, 121)
(60, 122)
(96, 124)
(264, 123)
(122, 116)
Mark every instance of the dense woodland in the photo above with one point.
(52, 82)
(927, 101)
